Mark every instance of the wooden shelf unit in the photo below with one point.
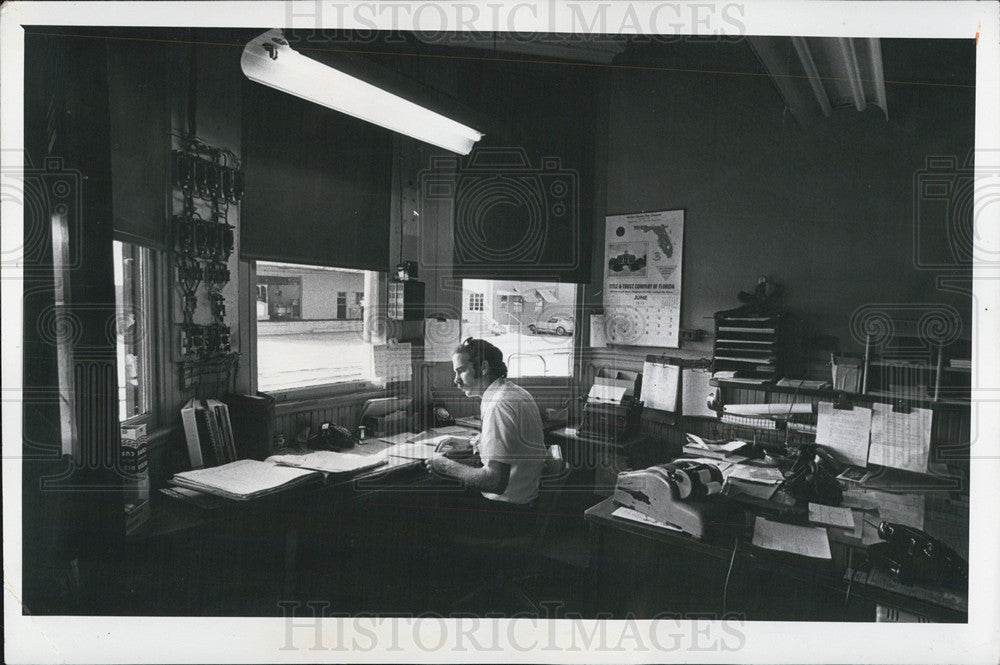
(749, 345)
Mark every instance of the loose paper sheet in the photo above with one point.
(392, 362)
(845, 431)
(660, 383)
(831, 515)
(602, 392)
(765, 475)
(440, 339)
(402, 437)
(892, 507)
(636, 516)
(900, 440)
(805, 540)
(598, 340)
(419, 451)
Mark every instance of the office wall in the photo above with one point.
(827, 212)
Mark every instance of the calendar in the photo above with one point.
(642, 278)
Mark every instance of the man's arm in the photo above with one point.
(491, 478)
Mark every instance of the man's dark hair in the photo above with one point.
(479, 350)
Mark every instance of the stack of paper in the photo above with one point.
(757, 481)
(713, 449)
(831, 516)
(244, 479)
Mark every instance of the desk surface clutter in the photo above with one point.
(901, 527)
(244, 480)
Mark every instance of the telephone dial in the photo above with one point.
(331, 437)
(442, 417)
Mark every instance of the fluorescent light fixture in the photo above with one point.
(269, 60)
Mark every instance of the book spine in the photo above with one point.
(204, 435)
(189, 416)
(225, 426)
(215, 435)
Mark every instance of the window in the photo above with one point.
(342, 304)
(310, 336)
(133, 304)
(475, 302)
(533, 323)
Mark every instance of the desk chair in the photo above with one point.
(520, 558)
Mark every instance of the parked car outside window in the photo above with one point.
(558, 325)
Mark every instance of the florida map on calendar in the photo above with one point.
(642, 278)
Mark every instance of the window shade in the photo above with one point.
(524, 197)
(318, 184)
(140, 140)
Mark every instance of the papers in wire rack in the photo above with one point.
(244, 479)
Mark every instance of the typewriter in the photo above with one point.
(612, 408)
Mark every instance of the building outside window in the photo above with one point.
(533, 323)
(133, 304)
(312, 335)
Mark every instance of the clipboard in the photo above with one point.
(661, 379)
(696, 391)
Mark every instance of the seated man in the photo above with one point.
(511, 445)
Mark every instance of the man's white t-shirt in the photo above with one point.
(512, 434)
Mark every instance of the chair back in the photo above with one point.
(554, 474)
(554, 464)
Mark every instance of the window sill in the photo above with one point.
(282, 395)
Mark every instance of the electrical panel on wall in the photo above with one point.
(208, 180)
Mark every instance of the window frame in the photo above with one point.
(540, 381)
(379, 286)
(157, 303)
(477, 302)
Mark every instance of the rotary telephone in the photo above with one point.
(912, 556)
(332, 437)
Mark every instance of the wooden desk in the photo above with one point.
(644, 571)
(245, 558)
